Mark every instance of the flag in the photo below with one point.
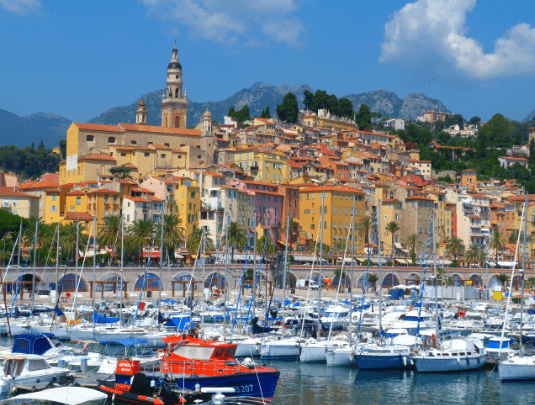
(141, 306)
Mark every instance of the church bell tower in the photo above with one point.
(174, 101)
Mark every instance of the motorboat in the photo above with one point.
(316, 352)
(26, 369)
(282, 348)
(392, 354)
(61, 395)
(453, 355)
(335, 318)
(517, 367)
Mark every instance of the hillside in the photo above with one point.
(23, 131)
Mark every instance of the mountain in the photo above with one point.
(530, 117)
(257, 97)
(390, 105)
(23, 131)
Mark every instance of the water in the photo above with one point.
(308, 384)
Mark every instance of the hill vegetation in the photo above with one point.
(29, 162)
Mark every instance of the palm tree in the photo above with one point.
(293, 232)
(237, 238)
(413, 240)
(455, 247)
(68, 238)
(270, 247)
(45, 233)
(108, 233)
(195, 240)
(372, 279)
(392, 227)
(173, 233)
(496, 242)
(140, 234)
(365, 225)
(503, 278)
(475, 254)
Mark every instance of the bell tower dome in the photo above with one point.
(174, 101)
(141, 114)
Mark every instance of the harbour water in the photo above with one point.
(308, 384)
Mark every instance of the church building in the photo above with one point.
(92, 149)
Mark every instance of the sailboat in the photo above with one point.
(454, 355)
(518, 366)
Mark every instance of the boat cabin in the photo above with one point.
(17, 364)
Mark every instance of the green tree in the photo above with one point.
(237, 238)
(288, 111)
(173, 234)
(293, 233)
(45, 233)
(195, 239)
(140, 234)
(474, 120)
(231, 111)
(108, 234)
(364, 227)
(270, 247)
(265, 113)
(372, 279)
(497, 242)
(455, 247)
(68, 238)
(63, 148)
(503, 278)
(392, 228)
(309, 99)
(364, 117)
(121, 171)
(320, 100)
(345, 108)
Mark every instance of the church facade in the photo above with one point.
(144, 148)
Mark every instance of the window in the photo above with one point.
(53, 197)
(90, 138)
(123, 154)
(162, 155)
(166, 144)
(193, 194)
(111, 139)
(146, 154)
(133, 142)
(78, 200)
(53, 208)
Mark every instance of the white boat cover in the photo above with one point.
(64, 395)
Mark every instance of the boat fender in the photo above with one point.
(404, 361)
(458, 360)
(467, 361)
(411, 362)
(113, 397)
(415, 351)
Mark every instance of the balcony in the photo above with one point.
(145, 208)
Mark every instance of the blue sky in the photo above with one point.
(80, 58)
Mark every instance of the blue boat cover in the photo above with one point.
(181, 323)
(126, 342)
(30, 344)
(170, 301)
(100, 319)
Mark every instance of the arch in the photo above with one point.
(413, 279)
(214, 280)
(494, 282)
(457, 281)
(152, 283)
(182, 277)
(362, 278)
(165, 121)
(291, 280)
(390, 280)
(475, 280)
(345, 282)
(28, 282)
(69, 282)
(517, 282)
(177, 122)
(116, 281)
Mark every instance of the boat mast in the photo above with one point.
(34, 266)
(320, 281)
(380, 269)
(352, 258)
(523, 272)
(203, 273)
(161, 268)
(226, 281)
(435, 272)
(57, 260)
(122, 270)
(254, 264)
(95, 258)
(20, 241)
(77, 252)
(285, 266)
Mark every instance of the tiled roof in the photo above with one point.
(100, 156)
(97, 127)
(102, 191)
(81, 216)
(43, 184)
(10, 192)
(331, 188)
(162, 130)
(75, 192)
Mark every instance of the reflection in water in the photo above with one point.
(309, 384)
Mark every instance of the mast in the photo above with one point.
(57, 260)
(320, 281)
(34, 265)
(161, 268)
(285, 266)
(122, 270)
(20, 242)
(435, 272)
(523, 273)
(352, 257)
(379, 231)
(254, 264)
(203, 272)
(77, 253)
(226, 280)
(95, 258)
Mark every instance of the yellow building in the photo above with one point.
(337, 216)
(22, 204)
(391, 211)
(88, 168)
(188, 202)
(323, 120)
(101, 202)
(265, 166)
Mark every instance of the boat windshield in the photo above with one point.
(194, 352)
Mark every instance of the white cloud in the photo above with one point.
(432, 34)
(21, 7)
(233, 21)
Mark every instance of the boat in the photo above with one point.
(316, 352)
(454, 355)
(61, 395)
(395, 354)
(190, 360)
(282, 348)
(19, 368)
(131, 386)
(517, 367)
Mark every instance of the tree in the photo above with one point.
(68, 238)
(474, 120)
(496, 242)
(195, 239)
(345, 108)
(10, 223)
(45, 233)
(503, 278)
(237, 238)
(293, 232)
(372, 279)
(63, 148)
(364, 227)
(392, 227)
(121, 171)
(265, 240)
(141, 234)
(455, 247)
(231, 111)
(265, 113)
(108, 233)
(341, 276)
(309, 99)
(475, 254)
(289, 109)
(320, 100)
(364, 117)
(173, 233)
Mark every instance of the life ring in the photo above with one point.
(461, 314)
(433, 341)
(160, 351)
(355, 317)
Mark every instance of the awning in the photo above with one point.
(178, 256)
(398, 245)
(153, 254)
(180, 323)
(305, 258)
(403, 261)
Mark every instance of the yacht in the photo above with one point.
(453, 355)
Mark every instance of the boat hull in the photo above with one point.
(340, 358)
(450, 364)
(286, 352)
(383, 362)
(517, 370)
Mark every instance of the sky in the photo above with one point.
(80, 58)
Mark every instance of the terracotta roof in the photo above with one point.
(513, 158)
(417, 197)
(75, 192)
(102, 191)
(82, 216)
(10, 192)
(152, 198)
(331, 188)
(162, 130)
(129, 165)
(43, 184)
(136, 199)
(100, 156)
(97, 127)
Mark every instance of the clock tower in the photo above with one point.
(174, 101)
